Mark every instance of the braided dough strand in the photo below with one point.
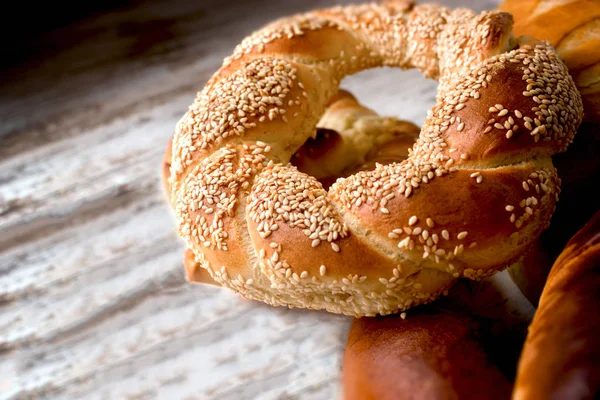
(477, 189)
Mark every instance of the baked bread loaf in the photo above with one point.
(463, 346)
(561, 357)
(573, 28)
(434, 354)
(384, 240)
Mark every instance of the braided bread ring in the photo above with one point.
(477, 189)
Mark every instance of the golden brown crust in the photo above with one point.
(560, 356)
(433, 354)
(266, 230)
(579, 48)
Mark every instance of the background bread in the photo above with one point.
(560, 359)
(432, 355)
(573, 28)
(463, 346)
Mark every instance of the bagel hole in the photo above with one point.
(408, 99)
(394, 92)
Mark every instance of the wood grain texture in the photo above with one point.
(93, 302)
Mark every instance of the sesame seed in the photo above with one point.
(412, 220)
(462, 235)
(518, 223)
(509, 208)
(322, 270)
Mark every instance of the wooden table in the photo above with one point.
(92, 294)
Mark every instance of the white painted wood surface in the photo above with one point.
(92, 295)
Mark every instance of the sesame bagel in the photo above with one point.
(476, 190)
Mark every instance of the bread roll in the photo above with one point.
(463, 346)
(561, 357)
(380, 241)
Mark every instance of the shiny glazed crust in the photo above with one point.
(433, 354)
(560, 359)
